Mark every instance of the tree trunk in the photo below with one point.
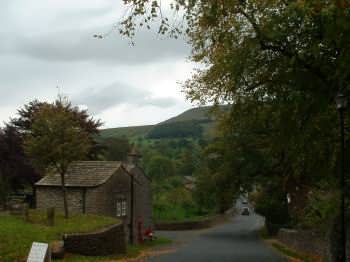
(64, 191)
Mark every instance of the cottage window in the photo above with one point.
(121, 207)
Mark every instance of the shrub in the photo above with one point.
(272, 204)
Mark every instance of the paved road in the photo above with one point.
(234, 241)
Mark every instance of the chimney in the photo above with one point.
(134, 156)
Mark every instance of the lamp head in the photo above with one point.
(341, 101)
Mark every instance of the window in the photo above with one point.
(121, 207)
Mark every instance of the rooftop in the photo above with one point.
(84, 174)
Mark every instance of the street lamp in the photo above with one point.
(341, 103)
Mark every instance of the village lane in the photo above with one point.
(237, 240)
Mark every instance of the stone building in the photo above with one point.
(102, 188)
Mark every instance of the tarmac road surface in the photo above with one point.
(237, 240)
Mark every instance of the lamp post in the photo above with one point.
(341, 103)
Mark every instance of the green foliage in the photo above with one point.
(115, 149)
(322, 209)
(280, 64)
(127, 132)
(176, 129)
(160, 167)
(56, 139)
(272, 204)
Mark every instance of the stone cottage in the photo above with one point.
(108, 188)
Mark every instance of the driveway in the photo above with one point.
(235, 241)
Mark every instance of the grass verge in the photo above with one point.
(17, 236)
(292, 254)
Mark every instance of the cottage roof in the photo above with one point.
(84, 174)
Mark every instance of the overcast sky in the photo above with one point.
(45, 44)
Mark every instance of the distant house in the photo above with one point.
(102, 188)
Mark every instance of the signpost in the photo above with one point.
(39, 253)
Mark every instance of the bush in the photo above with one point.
(272, 204)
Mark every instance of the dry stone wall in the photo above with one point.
(101, 243)
(310, 242)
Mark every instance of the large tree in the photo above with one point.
(280, 63)
(55, 140)
(16, 172)
(23, 123)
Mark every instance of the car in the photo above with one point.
(244, 202)
(245, 211)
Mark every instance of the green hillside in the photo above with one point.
(179, 126)
(198, 113)
(129, 132)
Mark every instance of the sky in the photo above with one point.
(49, 44)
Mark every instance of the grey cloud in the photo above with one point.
(100, 99)
(161, 101)
(81, 46)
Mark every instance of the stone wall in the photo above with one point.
(100, 243)
(193, 225)
(308, 242)
(102, 199)
(47, 197)
(311, 243)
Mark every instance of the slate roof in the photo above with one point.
(84, 174)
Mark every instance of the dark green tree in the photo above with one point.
(55, 140)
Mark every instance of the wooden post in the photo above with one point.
(51, 216)
(25, 212)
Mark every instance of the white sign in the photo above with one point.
(38, 252)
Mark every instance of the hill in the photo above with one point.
(129, 132)
(195, 122)
(197, 114)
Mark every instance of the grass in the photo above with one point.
(292, 253)
(17, 236)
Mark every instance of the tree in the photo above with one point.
(16, 171)
(55, 140)
(24, 122)
(160, 167)
(115, 149)
(280, 63)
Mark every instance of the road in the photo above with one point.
(235, 241)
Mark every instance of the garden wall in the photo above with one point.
(305, 241)
(193, 225)
(107, 241)
(310, 242)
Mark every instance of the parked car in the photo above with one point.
(245, 211)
